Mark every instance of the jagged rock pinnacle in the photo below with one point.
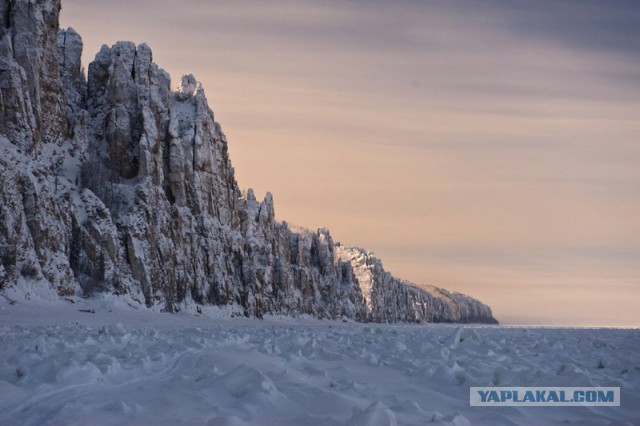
(120, 184)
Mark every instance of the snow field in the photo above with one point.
(119, 365)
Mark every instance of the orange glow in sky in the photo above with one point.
(491, 150)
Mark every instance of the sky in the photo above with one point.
(489, 147)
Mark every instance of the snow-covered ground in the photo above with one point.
(118, 364)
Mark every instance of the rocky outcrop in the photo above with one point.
(117, 183)
(390, 299)
(30, 73)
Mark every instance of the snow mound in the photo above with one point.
(120, 365)
(375, 414)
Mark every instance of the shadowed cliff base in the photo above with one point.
(120, 184)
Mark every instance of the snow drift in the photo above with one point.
(63, 366)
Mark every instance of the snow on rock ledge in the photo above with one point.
(120, 184)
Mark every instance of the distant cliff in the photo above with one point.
(117, 183)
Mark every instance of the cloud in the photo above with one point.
(467, 143)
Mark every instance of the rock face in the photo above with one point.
(117, 183)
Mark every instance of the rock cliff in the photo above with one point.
(115, 182)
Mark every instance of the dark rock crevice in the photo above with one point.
(128, 187)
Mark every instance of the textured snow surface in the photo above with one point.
(120, 365)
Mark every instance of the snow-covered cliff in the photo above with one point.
(118, 183)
